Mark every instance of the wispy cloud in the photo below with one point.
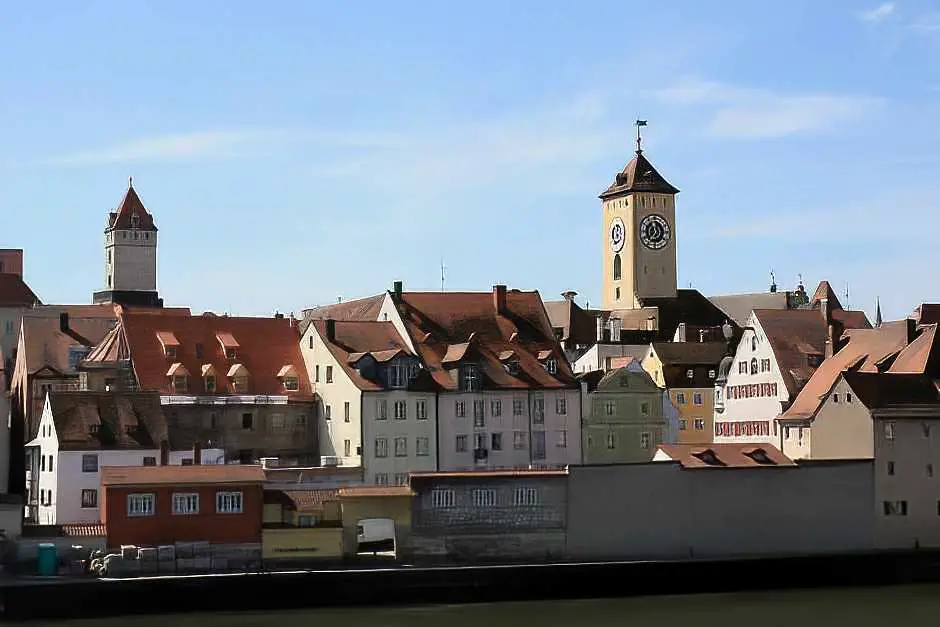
(878, 13)
(748, 113)
(928, 24)
(204, 145)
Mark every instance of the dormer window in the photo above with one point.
(229, 346)
(709, 458)
(178, 377)
(760, 456)
(512, 367)
(209, 378)
(169, 343)
(238, 375)
(551, 365)
(288, 376)
(135, 220)
(690, 374)
(94, 429)
(470, 378)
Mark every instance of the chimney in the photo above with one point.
(197, 453)
(66, 328)
(569, 295)
(911, 330)
(278, 315)
(164, 453)
(600, 329)
(499, 298)
(397, 287)
(824, 308)
(330, 329)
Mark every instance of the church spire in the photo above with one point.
(878, 319)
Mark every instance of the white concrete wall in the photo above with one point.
(336, 430)
(659, 510)
(393, 468)
(133, 261)
(759, 408)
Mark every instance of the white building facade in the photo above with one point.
(69, 481)
(746, 405)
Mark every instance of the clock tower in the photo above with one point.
(639, 229)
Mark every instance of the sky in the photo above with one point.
(296, 152)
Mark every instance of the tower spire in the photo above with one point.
(130, 182)
(878, 319)
(639, 137)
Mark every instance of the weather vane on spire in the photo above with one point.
(130, 181)
(639, 138)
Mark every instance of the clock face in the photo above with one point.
(617, 235)
(654, 231)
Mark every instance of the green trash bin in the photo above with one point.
(48, 563)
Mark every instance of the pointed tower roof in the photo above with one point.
(639, 176)
(878, 319)
(130, 206)
(824, 290)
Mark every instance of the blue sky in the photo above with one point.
(293, 152)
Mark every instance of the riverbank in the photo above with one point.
(91, 598)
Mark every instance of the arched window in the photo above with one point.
(754, 343)
(617, 268)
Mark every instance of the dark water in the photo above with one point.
(884, 607)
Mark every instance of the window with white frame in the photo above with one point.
(610, 408)
(421, 409)
(680, 398)
(611, 440)
(496, 408)
(644, 409)
(484, 497)
(442, 497)
(697, 399)
(460, 410)
(538, 410)
(518, 407)
(561, 405)
(895, 508)
(518, 440)
(401, 447)
(381, 478)
(401, 478)
(140, 504)
(551, 365)
(381, 409)
(89, 499)
(644, 440)
(401, 410)
(460, 444)
(470, 380)
(381, 447)
(699, 424)
(561, 438)
(478, 418)
(229, 502)
(185, 503)
(422, 447)
(525, 497)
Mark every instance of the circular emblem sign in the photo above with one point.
(617, 235)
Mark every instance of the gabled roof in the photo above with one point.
(131, 205)
(438, 320)
(265, 346)
(627, 380)
(360, 309)
(15, 293)
(877, 389)
(90, 421)
(824, 291)
(203, 474)
(863, 352)
(690, 353)
(353, 340)
(797, 334)
(920, 356)
(723, 455)
(738, 307)
(301, 501)
(46, 346)
(639, 175)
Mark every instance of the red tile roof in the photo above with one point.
(920, 356)
(639, 175)
(131, 205)
(796, 335)
(301, 500)
(864, 351)
(264, 347)
(47, 347)
(726, 455)
(359, 309)
(440, 322)
(15, 293)
(374, 491)
(353, 340)
(90, 421)
(217, 474)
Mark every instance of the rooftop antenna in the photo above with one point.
(639, 138)
(442, 274)
(847, 306)
(773, 282)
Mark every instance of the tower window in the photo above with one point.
(617, 267)
(135, 221)
(617, 293)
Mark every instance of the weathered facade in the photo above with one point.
(234, 383)
(623, 420)
(663, 510)
(489, 515)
